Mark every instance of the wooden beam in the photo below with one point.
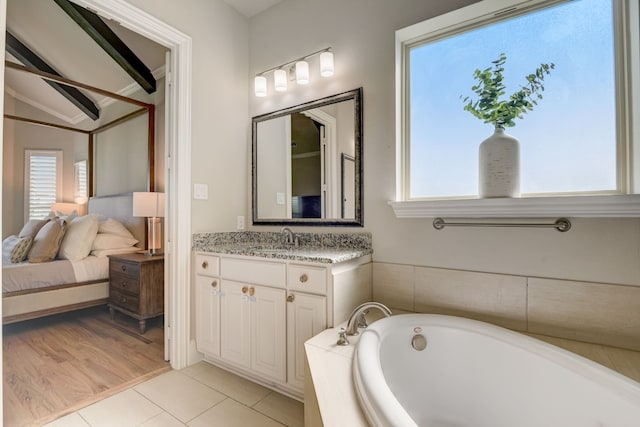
(46, 124)
(111, 43)
(58, 78)
(25, 55)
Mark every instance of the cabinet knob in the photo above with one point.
(123, 284)
(124, 268)
(304, 278)
(214, 284)
(244, 289)
(291, 298)
(205, 264)
(252, 291)
(123, 299)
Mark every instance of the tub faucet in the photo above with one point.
(357, 316)
(290, 238)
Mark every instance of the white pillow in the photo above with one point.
(112, 241)
(79, 237)
(113, 226)
(105, 252)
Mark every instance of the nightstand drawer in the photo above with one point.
(125, 268)
(126, 301)
(123, 283)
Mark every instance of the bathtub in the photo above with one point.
(444, 371)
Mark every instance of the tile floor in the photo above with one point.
(200, 395)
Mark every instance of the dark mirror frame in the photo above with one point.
(356, 96)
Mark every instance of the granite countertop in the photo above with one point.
(326, 248)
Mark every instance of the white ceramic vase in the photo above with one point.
(499, 166)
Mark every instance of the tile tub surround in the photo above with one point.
(591, 312)
(324, 248)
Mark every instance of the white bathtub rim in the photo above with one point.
(380, 394)
(393, 414)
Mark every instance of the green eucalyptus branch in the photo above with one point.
(490, 88)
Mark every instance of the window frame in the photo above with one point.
(625, 203)
(28, 153)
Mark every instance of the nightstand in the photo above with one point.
(136, 286)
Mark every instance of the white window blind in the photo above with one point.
(43, 178)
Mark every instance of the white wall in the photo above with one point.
(19, 137)
(220, 125)
(362, 35)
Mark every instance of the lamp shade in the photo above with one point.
(148, 204)
(326, 64)
(302, 72)
(260, 86)
(280, 80)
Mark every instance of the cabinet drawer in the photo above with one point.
(124, 283)
(207, 265)
(307, 279)
(126, 301)
(251, 271)
(125, 268)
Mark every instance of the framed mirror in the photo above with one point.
(307, 163)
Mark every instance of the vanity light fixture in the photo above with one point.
(280, 80)
(302, 72)
(261, 86)
(302, 75)
(326, 64)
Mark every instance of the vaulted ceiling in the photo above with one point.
(52, 35)
(63, 36)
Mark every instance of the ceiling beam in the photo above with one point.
(25, 55)
(111, 43)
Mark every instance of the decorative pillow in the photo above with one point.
(62, 215)
(32, 227)
(113, 226)
(112, 241)
(79, 237)
(105, 252)
(47, 242)
(15, 249)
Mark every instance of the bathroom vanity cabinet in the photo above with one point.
(254, 314)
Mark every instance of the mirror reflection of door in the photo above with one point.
(307, 167)
(348, 179)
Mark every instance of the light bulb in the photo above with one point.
(280, 80)
(260, 86)
(302, 72)
(326, 64)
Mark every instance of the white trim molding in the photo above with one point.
(178, 166)
(613, 206)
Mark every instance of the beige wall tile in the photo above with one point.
(493, 298)
(592, 312)
(393, 285)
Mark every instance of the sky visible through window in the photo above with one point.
(567, 143)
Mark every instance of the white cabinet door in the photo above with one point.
(268, 332)
(235, 323)
(208, 315)
(306, 317)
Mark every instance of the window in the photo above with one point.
(576, 141)
(80, 178)
(43, 182)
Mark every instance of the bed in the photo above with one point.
(64, 285)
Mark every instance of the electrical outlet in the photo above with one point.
(279, 198)
(240, 223)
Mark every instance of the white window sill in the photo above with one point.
(614, 206)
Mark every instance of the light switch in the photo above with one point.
(280, 198)
(201, 191)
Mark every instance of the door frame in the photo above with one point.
(177, 166)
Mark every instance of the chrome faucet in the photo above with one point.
(357, 320)
(290, 238)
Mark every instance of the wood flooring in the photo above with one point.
(58, 364)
